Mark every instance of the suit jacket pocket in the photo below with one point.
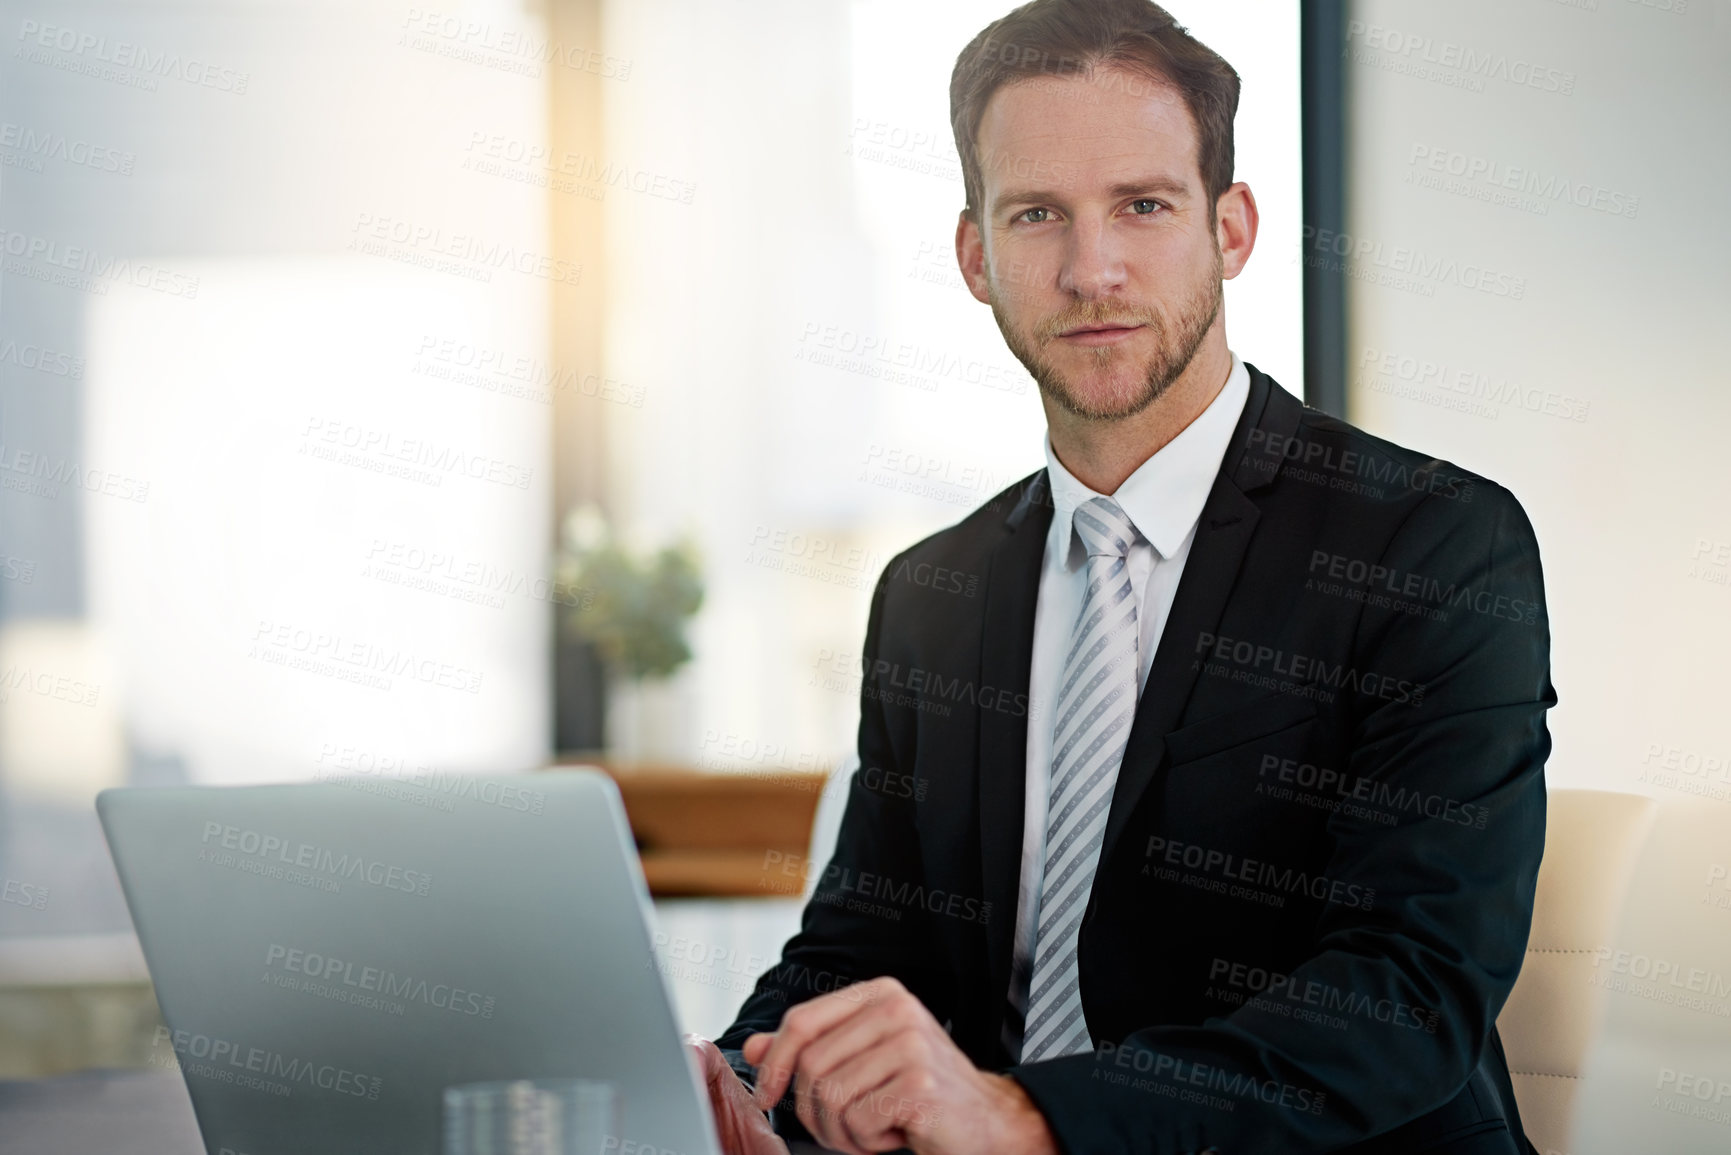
(1269, 714)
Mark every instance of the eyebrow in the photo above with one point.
(1151, 184)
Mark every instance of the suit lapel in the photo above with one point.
(1223, 533)
(1006, 653)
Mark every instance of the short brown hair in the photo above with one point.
(1075, 37)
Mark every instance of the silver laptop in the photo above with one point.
(330, 957)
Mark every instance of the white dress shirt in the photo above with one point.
(1163, 500)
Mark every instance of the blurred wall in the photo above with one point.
(1539, 280)
(1540, 284)
(275, 398)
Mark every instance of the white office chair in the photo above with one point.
(1592, 840)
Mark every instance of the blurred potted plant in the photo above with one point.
(632, 608)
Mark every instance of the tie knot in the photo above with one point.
(1104, 527)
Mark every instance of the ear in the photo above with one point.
(971, 257)
(1235, 223)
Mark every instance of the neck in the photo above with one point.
(1102, 453)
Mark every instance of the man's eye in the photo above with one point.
(1144, 207)
(1029, 216)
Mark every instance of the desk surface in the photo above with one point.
(111, 1113)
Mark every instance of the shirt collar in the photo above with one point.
(1164, 497)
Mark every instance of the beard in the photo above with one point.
(1175, 345)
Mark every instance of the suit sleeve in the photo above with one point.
(1453, 887)
(846, 935)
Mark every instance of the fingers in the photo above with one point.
(755, 1045)
(841, 1108)
(801, 1025)
(709, 1056)
(829, 1072)
(748, 1127)
(744, 1130)
(717, 1071)
(837, 1073)
(909, 1103)
(846, 1040)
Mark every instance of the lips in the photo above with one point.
(1100, 336)
(1084, 329)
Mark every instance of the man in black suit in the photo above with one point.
(1212, 822)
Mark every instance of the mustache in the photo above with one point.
(1094, 314)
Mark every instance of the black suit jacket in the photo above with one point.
(1317, 877)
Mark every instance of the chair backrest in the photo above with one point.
(1592, 839)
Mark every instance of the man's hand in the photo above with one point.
(873, 1071)
(742, 1127)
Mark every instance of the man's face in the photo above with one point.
(1101, 261)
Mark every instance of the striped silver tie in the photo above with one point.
(1096, 704)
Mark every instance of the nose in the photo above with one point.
(1093, 261)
